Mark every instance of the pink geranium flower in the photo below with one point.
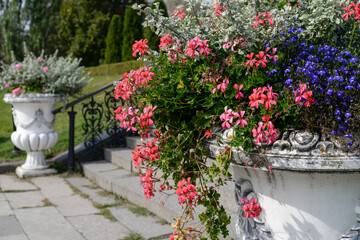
(18, 66)
(165, 41)
(179, 13)
(15, 91)
(140, 46)
(242, 122)
(238, 95)
(45, 69)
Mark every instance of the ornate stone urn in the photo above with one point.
(313, 192)
(34, 133)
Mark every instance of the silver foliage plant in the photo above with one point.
(320, 19)
(44, 74)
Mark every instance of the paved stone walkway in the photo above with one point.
(71, 208)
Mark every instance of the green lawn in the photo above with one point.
(61, 124)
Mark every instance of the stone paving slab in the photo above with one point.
(84, 185)
(12, 183)
(53, 187)
(144, 225)
(15, 237)
(5, 209)
(2, 197)
(95, 227)
(46, 223)
(25, 199)
(9, 226)
(74, 206)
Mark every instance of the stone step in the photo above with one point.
(121, 157)
(132, 142)
(147, 226)
(127, 185)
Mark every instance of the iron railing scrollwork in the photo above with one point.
(112, 128)
(93, 126)
(99, 117)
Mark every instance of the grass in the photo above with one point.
(108, 215)
(140, 211)
(47, 203)
(133, 236)
(61, 124)
(162, 222)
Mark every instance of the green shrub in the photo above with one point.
(113, 69)
(151, 36)
(114, 40)
(132, 31)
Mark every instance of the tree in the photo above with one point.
(12, 29)
(154, 40)
(132, 31)
(114, 40)
(84, 24)
(42, 19)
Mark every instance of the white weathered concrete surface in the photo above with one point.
(12, 183)
(149, 228)
(53, 187)
(305, 205)
(25, 199)
(14, 237)
(46, 223)
(74, 206)
(9, 225)
(95, 227)
(5, 209)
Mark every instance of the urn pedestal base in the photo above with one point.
(23, 173)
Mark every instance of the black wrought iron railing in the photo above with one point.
(99, 126)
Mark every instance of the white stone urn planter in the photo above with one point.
(312, 194)
(34, 133)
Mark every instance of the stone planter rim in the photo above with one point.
(32, 98)
(297, 156)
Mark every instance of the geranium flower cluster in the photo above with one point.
(148, 152)
(187, 193)
(147, 180)
(129, 117)
(178, 236)
(262, 18)
(166, 40)
(262, 58)
(197, 46)
(270, 134)
(351, 9)
(228, 117)
(178, 13)
(234, 43)
(263, 95)
(133, 81)
(140, 47)
(218, 9)
(174, 49)
(304, 97)
(251, 207)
